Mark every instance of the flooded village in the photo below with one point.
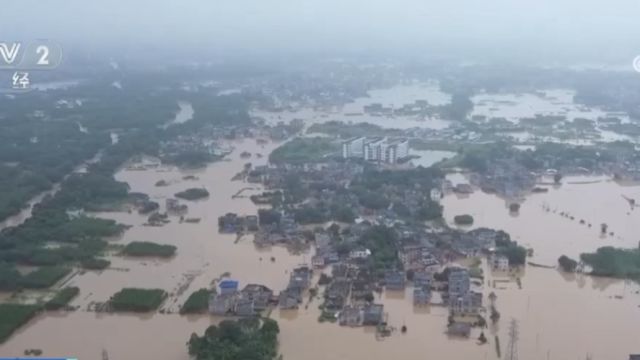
(347, 236)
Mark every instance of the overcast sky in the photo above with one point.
(589, 29)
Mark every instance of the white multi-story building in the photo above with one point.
(376, 149)
(353, 148)
(373, 149)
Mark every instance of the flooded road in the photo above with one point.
(560, 316)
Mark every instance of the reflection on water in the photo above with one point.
(184, 114)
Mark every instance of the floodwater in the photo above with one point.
(540, 225)
(560, 316)
(556, 102)
(430, 157)
(395, 97)
(184, 114)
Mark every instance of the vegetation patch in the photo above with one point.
(95, 264)
(516, 254)
(138, 300)
(197, 303)
(249, 338)
(610, 261)
(12, 316)
(44, 277)
(567, 264)
(62, 298)
(146, 248)
(463, 219)
(193, 194)
(304, 150)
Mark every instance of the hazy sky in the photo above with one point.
(509, 28)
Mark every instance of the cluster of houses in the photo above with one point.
(233, 223)
(283, 231)
(253, 299)
(250, 301)
(174, 206)
(506, 177)
(299, 281)
(462, 299)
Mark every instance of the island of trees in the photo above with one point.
(614, 262)
(463, 219)
(246, 339)
(197, 303)
(62, 298)
(193, 194)
(137, 300)
(147, 248)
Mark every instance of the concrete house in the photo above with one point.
(468, 303)
(394, 280)
(350, 316)
(220, 304)
(290, 298)
(258, 295)
(228, 287)
(337, 294)
(422, 279)
(421, 295)
(373, 314)
(459, 282)
(359, 253)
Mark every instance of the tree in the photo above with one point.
(567, 264)
(465, 219)
(369, 297)
(557, 178)
(246, 339)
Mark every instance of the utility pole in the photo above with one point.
(512, 347)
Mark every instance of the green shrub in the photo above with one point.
(12, 316)
(146, 248)
(44, 277)
(95, 264)
(138, 300)
(62, 298)
(198, 302)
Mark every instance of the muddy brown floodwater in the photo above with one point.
(560, 316)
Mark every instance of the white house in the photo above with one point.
(359, 253)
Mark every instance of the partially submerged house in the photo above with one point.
(459, 329)
(394, 280)
(350, 316)
(421, 295)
